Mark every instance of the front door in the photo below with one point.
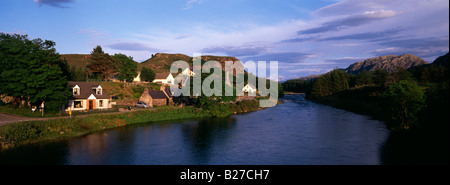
(91, 104)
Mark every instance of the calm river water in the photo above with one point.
(298, 132)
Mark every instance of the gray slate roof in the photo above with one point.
(157, 94)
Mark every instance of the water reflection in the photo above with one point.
(98, 147)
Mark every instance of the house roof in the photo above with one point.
(87, 89)
(157, 94)
(251, 86)
(167, 90)
(161, 75)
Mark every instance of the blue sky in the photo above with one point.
(306, 37)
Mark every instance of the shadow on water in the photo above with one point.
(36, 154)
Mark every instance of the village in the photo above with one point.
(92, 96)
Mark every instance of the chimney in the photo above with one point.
(162, 88)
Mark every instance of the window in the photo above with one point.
(99, 91)
(100, 103)
(78, 104)
(76, 91)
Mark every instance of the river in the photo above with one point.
(296, 132)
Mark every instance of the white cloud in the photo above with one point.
(190, 3)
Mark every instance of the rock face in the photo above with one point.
(389, 63)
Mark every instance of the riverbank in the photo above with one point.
(28, 132)
(426, 143)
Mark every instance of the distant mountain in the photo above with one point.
(310, 77)
(388, 63)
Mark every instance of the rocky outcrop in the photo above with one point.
(388, 63)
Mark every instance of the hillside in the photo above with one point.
(161, 62)
(388, 63)
(442, 61)
(77, 60)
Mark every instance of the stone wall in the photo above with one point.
(159, 102)
(146, 98)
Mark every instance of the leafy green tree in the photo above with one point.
(147, 74)
(338, 80)
(32, 70)
(405, 99)
(101, 63)
(127, 67)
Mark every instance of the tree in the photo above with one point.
(147, 74)
(320, 87)
(100, 62)
(32, 71)
(127, 67)
(365, 78)
(380, 77)
(399, 75)
(405, 99)
(77, 74)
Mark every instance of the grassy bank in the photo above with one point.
(18, 134)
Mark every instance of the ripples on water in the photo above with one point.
(296, 132)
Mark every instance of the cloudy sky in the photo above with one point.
(306, 37)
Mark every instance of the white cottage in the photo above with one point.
(164, 78)
(249, 88)
(88, 95)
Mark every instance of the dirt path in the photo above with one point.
(9, 118)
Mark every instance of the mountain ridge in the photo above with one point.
(389, 63)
